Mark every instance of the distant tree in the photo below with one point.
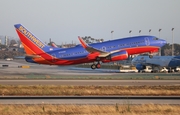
(12, 42)
(166, 50)
(176, 49)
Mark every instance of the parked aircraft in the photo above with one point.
(157, 63)
(108, 51)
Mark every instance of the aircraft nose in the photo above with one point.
(163, 42)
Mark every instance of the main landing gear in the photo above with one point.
(94, 66)
(98, 65)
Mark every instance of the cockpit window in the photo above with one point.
(155, 38)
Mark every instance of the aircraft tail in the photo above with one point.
(32, 45)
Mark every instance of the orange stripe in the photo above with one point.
(40, 59)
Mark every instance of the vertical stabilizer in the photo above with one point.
(32, 44)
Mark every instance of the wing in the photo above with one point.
(93, 50)
(114, 55)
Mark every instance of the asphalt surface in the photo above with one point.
(7, 75)
(91, 82)
(91, 100)
(13, 69)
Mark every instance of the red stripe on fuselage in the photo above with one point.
(143, 49)
(91, 58)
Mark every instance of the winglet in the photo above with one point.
(83, 43)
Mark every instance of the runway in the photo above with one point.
(71, 72)
(92, 82)
(37, 69)
(95, 100)
(70, 75)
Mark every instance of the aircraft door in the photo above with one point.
(146, 39)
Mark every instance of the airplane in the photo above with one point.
(103, 52)
(157, 63)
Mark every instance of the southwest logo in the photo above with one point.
(31, 37)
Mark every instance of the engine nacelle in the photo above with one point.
(140, 67)
(122, 55)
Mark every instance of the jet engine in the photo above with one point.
(121, 55)
(140, 67)
(29, 59)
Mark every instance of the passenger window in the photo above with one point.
(155, 38)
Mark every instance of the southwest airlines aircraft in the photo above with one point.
(108, 51)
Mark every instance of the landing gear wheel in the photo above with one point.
(93, 66)
(98, 65)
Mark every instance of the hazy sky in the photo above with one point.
(65, 20)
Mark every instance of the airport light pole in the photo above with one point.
(172, 42)
(139, 32)
(149, 31)
(130, 32)
(159, 32)
(112, 35)
(159, 48)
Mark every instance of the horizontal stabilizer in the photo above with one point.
(33, 56)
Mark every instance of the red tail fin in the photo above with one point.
(32, 44)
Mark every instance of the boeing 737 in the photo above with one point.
(157, 63)
(108, 51)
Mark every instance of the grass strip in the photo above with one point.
(35, 90)
(125, 109)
